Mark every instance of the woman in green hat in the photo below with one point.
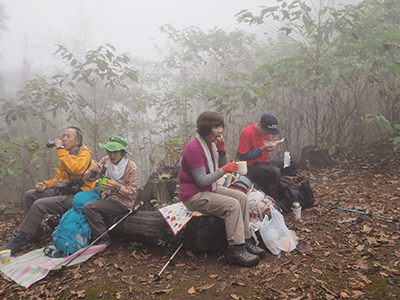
(120, 189)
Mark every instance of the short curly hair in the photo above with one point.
(207, 120)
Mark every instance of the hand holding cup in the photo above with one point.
(102, 183)
(111, 184)
(40, 186)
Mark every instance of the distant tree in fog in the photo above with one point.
(337, 65)
(3, 18)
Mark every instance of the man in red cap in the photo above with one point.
(254, 145)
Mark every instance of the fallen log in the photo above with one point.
(205, 234)
(147, 226)
(202, 234)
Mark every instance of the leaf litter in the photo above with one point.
(339, 255)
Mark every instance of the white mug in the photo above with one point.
(242, 167)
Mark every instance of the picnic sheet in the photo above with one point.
(33, 266)
(177, 215)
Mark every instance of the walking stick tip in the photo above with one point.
(157, 277)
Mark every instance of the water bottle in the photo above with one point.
(55, 253)
(296, 209)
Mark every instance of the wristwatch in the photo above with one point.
(222, 153)
(61, 147)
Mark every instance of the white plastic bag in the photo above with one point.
(286, 159)
(275, 234)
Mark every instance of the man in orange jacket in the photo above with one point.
(46, 198)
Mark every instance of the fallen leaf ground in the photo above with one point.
(340, 255)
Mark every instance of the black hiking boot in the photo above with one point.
(16, 242)
(239, 255)
(253, 248)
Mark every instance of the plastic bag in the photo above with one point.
(275, 234)
(259, 206)
(286, 159)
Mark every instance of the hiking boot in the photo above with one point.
(253, 248)
(239, 255)
(16, 243)
(38, 236)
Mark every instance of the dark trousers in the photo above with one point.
(38, 204)
(266, 174)
(96, 211)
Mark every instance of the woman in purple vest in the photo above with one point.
(204, 161)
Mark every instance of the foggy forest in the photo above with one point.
(329, 74)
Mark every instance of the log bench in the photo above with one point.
(202, 234)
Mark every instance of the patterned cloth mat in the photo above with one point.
(177, 215)
(33, 266)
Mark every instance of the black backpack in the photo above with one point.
(292, 189)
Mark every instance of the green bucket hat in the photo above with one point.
(115, 143)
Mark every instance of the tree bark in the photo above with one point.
(203, 234)
(147, 227)
(161, 189)
(315, 157)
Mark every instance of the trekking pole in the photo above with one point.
(134, 209)
(364, 213)
(158, 276)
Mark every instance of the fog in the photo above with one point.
(131, 26)
(156, 109)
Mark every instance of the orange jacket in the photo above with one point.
(73, 167)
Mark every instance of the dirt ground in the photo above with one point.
(340, 255)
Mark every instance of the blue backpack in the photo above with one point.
(73, 232)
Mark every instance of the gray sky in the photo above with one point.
(130, 25)
(35, 26)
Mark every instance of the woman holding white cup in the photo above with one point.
(204, 161)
